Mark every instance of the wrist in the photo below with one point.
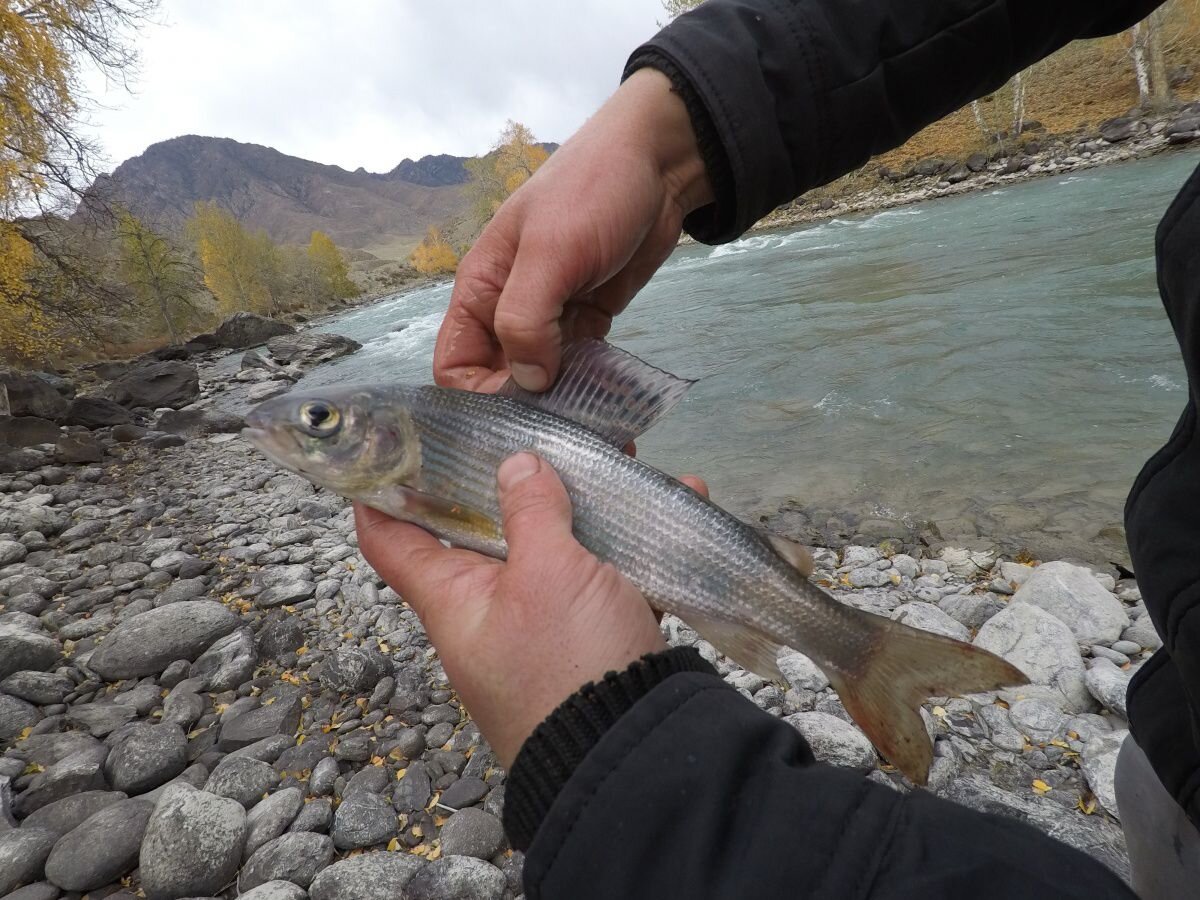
(657, 119)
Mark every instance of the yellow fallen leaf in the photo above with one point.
(433, 854)
(393, 845)
(269, 701)
(400, 773)
(1087, 807)
(1040, 786)
(301, 650)
(418, 850)
(288, 608)
(939, 711)
(439, 821)
(25, 732)
(377, 760)
(418, 831)
(33, 769)
(300, 740)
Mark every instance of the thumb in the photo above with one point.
(535, 506)
(528, 313)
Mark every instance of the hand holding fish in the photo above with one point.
(517, 637)
(573, 245)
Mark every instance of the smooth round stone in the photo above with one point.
(275, 890)
(369, 876)
(464, 792)
(459, 877)
(23, 853)
(149, 756)
(1129, 648)
(242, 779)
(296, 857)
(472, 832)
(193, 844)
(363, 820)
(102, 849)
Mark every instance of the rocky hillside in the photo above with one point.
(287, 196)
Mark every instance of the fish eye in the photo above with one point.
(320, 419)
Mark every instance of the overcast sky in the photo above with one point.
(369, 82)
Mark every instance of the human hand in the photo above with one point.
(516, 638)
(569, 249)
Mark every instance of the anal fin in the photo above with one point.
(747, 647)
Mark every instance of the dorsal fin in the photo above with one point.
(792, 552)
(607, 390)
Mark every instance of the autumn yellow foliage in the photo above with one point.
(434, 255)
(329, 268)
(240, 267)
(494, 177)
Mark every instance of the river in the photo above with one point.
(996, 362)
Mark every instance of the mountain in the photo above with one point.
(289, 197)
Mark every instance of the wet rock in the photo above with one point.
(457, 877)
(275, 890)
(23, 853)
(464, 792)
(363, 820)
(194, 423)
(22, 650)
(310, 348)
(193, 844)
(148, 757)
(1118, 130)
(271, 818)
(472, 832)
(29, 395)
(1041, 646)
(102, 849)
(1073, 595)
(316, 815)
(15, 716)
(296, 857)
(155, 385)
(81, 771)
(27, 431)
(927, 617)
(242, 779)
(833, 740)
(355, 670)
(280, 717)
(246, 329)
(63, 815)
(227, 663)
(147, 643)
(1108, 684)
(370, 876)
(1099, 764)
(97, 412)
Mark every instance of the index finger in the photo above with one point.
(468, 355)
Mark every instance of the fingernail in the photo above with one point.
(530, 377)
(516, 469)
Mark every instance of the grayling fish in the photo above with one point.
(429, 455)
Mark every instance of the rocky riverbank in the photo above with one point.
(206, 692)
(1030, 155)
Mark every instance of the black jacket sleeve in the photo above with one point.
(693, 791)
(795, 93)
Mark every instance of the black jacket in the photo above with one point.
(664, 782)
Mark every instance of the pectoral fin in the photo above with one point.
(461, 525)
(607, 390)
(747, 647)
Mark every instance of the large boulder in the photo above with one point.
(23, 650)
(29, 395)
(155, 385)
(103, 848)
(1042, 647)
(310, 348)
(147, 643)
(97, 412)
(198, 422)
(27, 431)
(1074, 596)
(246, 329)
(193, 844)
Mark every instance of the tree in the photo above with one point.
(434, 255)
(45, 159)
(330, 272)
(493, 177)
(679, 7)
(161, 276)
(1150, 61)
(241, 269)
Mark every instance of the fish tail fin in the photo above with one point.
(892, 674)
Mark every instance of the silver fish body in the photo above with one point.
(429, 455)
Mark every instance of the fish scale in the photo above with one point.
(430, 454)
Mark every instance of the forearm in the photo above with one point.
(693, 791)
(798, 93)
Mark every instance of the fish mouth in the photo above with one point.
(280, 448)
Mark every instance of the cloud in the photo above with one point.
(369, 83)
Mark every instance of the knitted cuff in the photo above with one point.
(558, 745)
